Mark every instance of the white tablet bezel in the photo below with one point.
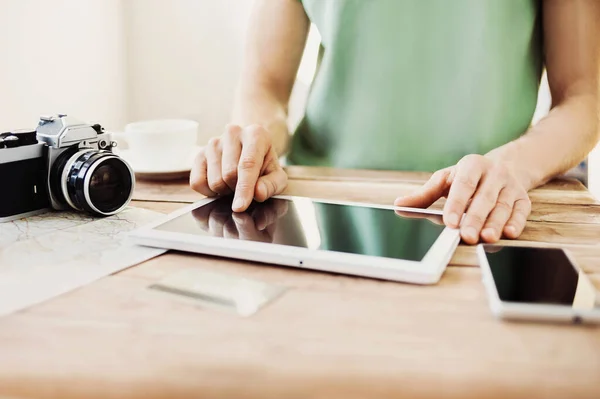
(428, 271)
(529, 311)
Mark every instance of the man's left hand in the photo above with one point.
(495, 201)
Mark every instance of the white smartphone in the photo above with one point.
(537, 284)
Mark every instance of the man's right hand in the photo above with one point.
(241, 161)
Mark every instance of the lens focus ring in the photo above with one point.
(99, 182)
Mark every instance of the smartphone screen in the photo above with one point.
(537, 275)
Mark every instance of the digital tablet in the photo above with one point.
(390, 243)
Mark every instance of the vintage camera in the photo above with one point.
(63, 164)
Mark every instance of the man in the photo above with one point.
(417, 85)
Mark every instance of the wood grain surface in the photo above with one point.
(328, 336)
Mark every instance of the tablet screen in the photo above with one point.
(301, 222)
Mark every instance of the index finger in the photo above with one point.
(254, 150)
(462, 188)
(434, 189)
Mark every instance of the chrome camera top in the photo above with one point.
(63, 164)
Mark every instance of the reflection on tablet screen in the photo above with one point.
(302, 222)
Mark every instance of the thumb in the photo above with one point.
(270, 184)
(435, 188)
(273, 181)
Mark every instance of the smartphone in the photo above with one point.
(537, 284)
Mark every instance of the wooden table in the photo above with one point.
(329, 336)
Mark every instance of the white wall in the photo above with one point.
(184, 59)
(61, 56)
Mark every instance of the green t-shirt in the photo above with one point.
(418, 84)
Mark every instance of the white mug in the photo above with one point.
(155, 146)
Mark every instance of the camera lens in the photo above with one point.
(98, 182)
(110, 185)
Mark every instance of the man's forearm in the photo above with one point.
(259, 106)
(556, 144)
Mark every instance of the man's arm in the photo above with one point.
(275, 43)
(570, 131)
(244, 159)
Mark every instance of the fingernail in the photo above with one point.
(489, 232)
(453, 219)
(470, 233)
(511, 229)
(238, 203)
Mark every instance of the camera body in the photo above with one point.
(63, 164)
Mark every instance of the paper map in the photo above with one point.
(50, 254)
